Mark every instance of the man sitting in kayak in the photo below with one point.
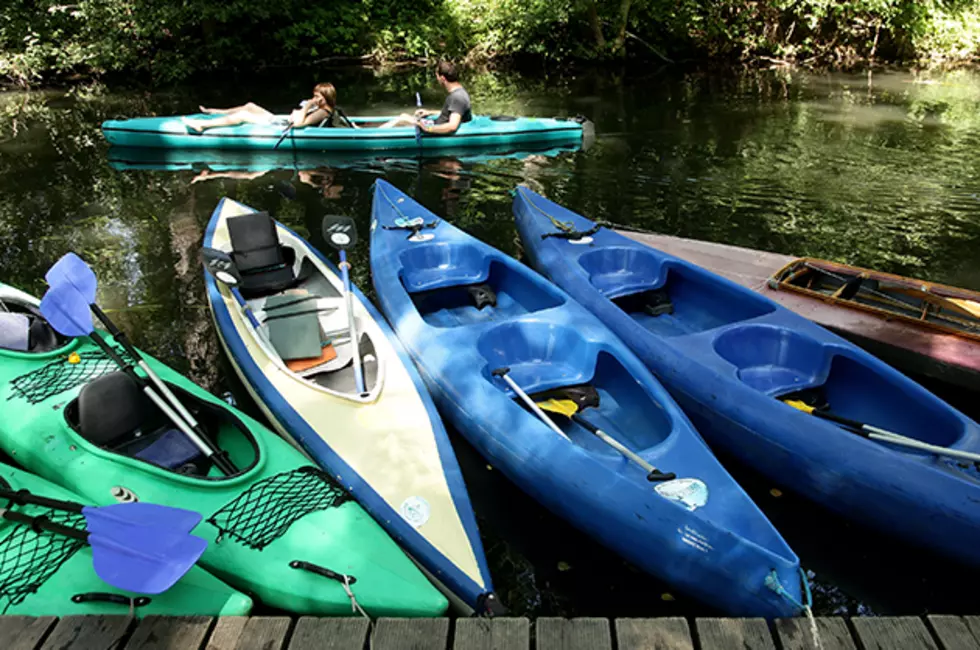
(322, 107)
(455, 110)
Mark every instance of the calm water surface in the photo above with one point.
(876, 170)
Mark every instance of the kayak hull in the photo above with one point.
(66, 583)
(408, 463)
(721, 551)
(278, 509)
(482, 131)
(725, 353)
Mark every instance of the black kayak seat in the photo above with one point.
(115, 414)
(262, 261)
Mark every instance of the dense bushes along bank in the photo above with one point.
(170, 39)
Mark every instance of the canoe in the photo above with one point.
(948, 355)
(268, 527)
(464, 309)
(730, 357)
(481, 131)
(388, 446)
(47, 575)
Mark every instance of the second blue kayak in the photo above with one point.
(464, 310)
(755, 377)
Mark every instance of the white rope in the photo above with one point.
(355, 606)
(813, 627)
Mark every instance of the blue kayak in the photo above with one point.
(481, 131)
(733, 358)
(464, 310)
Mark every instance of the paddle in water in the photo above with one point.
(341, 233)
(138, 547)
(883, 435)
(66, 311)
(74, 275)
(570, 408)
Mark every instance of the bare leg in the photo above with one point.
(231, 119)
(249, 107)
(402, 120)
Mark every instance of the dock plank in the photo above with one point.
(973, 622)
(24, 632)
(893, 633)
(167, 632)
(573, 634)
(953, 633)
(796, 634)
(410, 634)
(727, 633)
(314, 633)
(226, 633)
(653, 634)
(492, 634)
(88, 632)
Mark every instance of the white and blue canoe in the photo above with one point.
(387, 445)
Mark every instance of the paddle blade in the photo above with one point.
(221, 266)
(339, 231)
(72, 270)
(144, 559)
(104, 519)
(584, 396)
(565, 407)
(67, 310)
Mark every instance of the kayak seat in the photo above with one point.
(619, 271)
(541, 356)
(441, 264)
(114, 414)
(774, 360)
(265, 264)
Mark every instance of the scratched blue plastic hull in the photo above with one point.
(726, 353)
(482, 131)
(721, 553)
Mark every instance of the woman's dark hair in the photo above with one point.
(447, 70)
(328, 92)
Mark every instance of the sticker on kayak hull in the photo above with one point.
(416, 511)
(581, 240)
(420, 237)
(692, 493)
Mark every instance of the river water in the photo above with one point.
(875, 170)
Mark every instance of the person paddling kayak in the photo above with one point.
(321, 109)
(455, 110)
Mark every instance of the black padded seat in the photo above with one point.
(264, 264)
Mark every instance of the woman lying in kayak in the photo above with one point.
(322, 106)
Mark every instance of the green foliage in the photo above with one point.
(165, 40)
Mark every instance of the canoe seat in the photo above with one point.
(774, 360)
(541, 356)
(620, 271)
(114, 414)
(266, 266)
(439, 265)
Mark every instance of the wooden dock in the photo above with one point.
(308, 633)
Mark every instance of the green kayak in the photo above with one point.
(48, 575)
(279, 529)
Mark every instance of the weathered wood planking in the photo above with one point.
(24, 632)
(314, 633)
(953, 633)
(653, 634)
(492, 634)
(89, 633)
(893, 633)
(728, 633)
(797, 634)
(410, 634)
(573, 634)
(169, 632)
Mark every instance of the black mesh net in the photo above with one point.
(28, 558)
(264, 512)
(61, 375)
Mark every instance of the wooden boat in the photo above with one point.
(931, 347)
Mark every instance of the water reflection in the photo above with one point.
(878, 171)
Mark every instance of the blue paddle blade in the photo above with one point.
(102, 520)
(66, 311)
(144, 559)
(71, 269)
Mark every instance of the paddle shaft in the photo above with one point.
(285, 132)
(418, 128)
(23, 497)
(145, 367)
(618, 446)
(352, 323)
(246, 309)
(40, 522)
(219, 458)
(530, 402)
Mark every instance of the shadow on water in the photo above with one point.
(876, 170)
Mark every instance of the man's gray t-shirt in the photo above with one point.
(458, 101)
